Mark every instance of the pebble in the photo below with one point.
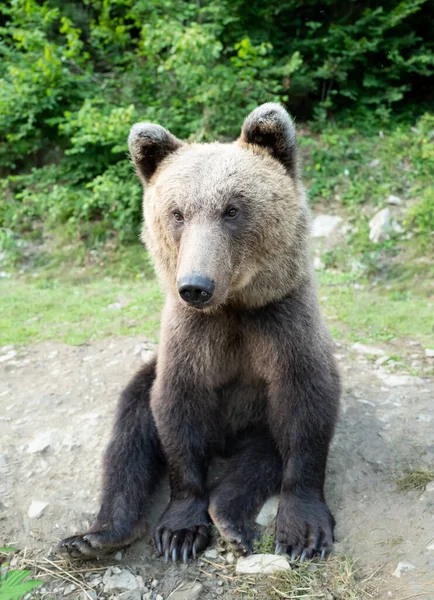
(89, 593)
(118, 556)
(379, 226)
(398, 380)
(268, 512)
(364, 349)
(430, 547)
(230, 558)
(261, 563)
(154, 583)
(395, 200)
(403, 567)
(36, 509)
(429, 352)
(159, 597)
(120, 582)
(188, 590)
(40, 442)
(211, 554)
(324, 225)
(69, 589)
(8, 356)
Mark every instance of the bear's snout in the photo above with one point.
(196, 290)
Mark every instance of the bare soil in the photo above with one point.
(57, 406)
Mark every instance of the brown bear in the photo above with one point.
(244, 369)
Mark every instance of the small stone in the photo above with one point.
(129, 595)
(211, 554)
(120, 582)
(147, 596)
(430, 487)
(379, 226)
(88, 594)
(430, 547)
(219, 591)
(188, 590)
(403, 567)
(40, 442)
(118, 556)
(8, 356)
(268, 511)
(69, 589)
(36, 509)
(230, 558)
(159, 597)
(141, 583)
(324, 225)
(154, 583)
(398, 380)
(318, 264)
(382, 360)
(395, 200)
(429, 352)
(261, 563)
(364, 349)
(374, 163)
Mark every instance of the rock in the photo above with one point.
(211, 554)
(382, 360)
(36, 509)
(261, 563)
(374, 163)
(188, 590)
(230, 558)
(154, 583)
(395, 200)
(88, 594)
(118, 556)
(403, 567)
(69, 589)
(123, 581)
(159, 597)
(372, 350)
(430, 547)
(268, 511)
(129, 595)
(318, 264)
(430, 487)
(324, 225)
(379, 226)
(398, 380)
(40, 442)
(147, 596)
(8, 356)
(429, 352)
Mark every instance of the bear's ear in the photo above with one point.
(149, 144)
(270, 127)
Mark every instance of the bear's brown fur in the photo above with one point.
(244, 368)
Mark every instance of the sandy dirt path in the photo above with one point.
(57, 406)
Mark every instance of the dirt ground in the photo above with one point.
(57, 404)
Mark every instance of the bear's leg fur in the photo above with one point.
(133, 466)
(302, 414)
(186, 413)
(252, 473)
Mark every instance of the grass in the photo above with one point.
(415, 480)
(370, 312)
(34, 311)
(337, 578)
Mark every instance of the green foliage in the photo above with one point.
(12, 584)
(75, 75)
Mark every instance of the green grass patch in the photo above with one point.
(376, 313)
(33, 311)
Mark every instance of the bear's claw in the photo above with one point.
(183, 543)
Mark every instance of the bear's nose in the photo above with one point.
(195, 289)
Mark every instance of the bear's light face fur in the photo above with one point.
(254, 258)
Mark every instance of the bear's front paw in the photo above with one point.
(183, 530)
(304, 527)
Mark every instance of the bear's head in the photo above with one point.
(226, 224)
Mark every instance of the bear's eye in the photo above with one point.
(178, 217)
(231, 212)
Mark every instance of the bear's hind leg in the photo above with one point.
(133, 466)
(252, 474)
